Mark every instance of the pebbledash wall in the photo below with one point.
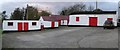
(21, 25)
(91, 19)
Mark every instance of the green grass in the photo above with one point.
(0, 30)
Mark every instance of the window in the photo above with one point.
(10, 23)
(118, 20)
(77, 18)
(33, 23)
(109, 18)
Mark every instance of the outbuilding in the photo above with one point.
(21, 25)
(48, 22)
(92, 18)
(62, 20)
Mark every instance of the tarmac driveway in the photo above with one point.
(63, 37)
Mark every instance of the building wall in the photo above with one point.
(35, 27)
(119, 9)
(64, 22)
(11, 28)
(47, 24)
(15, 25)
(84, 19)
(56, 24)
(102, 18)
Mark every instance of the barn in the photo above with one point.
(62, 20)
(92, 18)
(48, 22)
(20, 25)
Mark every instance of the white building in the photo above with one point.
(20, 25)
(62, 20)
(48, 22)
(92, 19)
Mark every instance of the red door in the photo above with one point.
(93, 21)
(52, 24)
(25, 26)
(59, 22)
(42, 27)
(19, 26)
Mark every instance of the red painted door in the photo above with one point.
(59, 22)
(42, 27)
(52, 24)
(25, 26)
(93, 21)
(19, 26)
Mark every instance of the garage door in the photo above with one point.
(93, 21)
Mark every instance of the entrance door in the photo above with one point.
(59, 22)
(93, 21)
(19, 26)
(42, 27)
(52, 24)
(25, 26)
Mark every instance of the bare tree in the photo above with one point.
(90, 8)
(74, 8)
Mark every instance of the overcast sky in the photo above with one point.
(55, 6)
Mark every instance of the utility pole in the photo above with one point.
(23, 13)
(96, 4)
(27, 12)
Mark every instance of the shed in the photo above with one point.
(92, 18)
(63, 20)
(20, 25)
(48, 22)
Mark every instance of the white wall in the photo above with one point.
(119, 10)
(36, 27)
(56, 24)
(84, 19)
(47, 24)
(15, 25)
(62, 22)
(11, 28)
(102, 18)
(65, 22)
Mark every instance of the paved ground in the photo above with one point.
(63, 37)
(119, 37)
(0, 38)
(0, 34)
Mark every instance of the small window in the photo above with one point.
(10, 23)
(118, 20)
(77, 18)
(109, 18)
(33, 23)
